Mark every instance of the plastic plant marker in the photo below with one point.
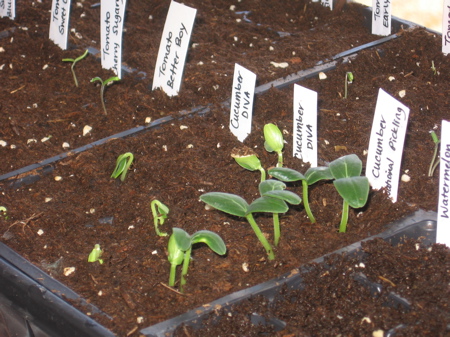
(443, 220)
(59, 22)
(381, 17)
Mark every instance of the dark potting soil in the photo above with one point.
(414, 298)
(175, 164)
(39, 98)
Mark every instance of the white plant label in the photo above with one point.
(111, 28)
(242, 102)
(386, 144)
(8, 9)
(305, 125)
(443, 221)
(173, 48)
(59, 22)
(327, 3)
(381, 17)
(446, 27)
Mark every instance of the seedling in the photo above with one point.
(123, 163)
(159, 211)
(274, 141)
(96, 254)
(3, 211)
(103, 86)
(74, 61)
(235, 205)
(433, 68)
(248, 159)
(352, 187)
(180, 249)
(434, 163)
(312, 175)
(276, 189)
(348, 79)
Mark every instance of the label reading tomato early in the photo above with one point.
(443, 220)
(446, 27)
(305, 125)
(173, 48)
(386, 144)
(8, 9)
(111, 27)
(59, 22)
(242, 102)
(327, 3)
(381, 17)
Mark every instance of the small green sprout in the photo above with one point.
(96, 254)
(434, 163)
(248, 159)
(74, 61)
(274, 141)
(235, 205)
(180, 249)
(312, 175)
(348, 79)
(123, 163)
(276, 189)
(433, 68)
(352, 187)
(4, 210)
(103, 86)
(159, 211)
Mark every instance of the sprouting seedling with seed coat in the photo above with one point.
(348, 79)
(248, 159)
(96, 254)
(434, 163)
(103, 86)
(74, 61)
(123, 163)
(180, 249)
(352, 187)
(236, 205)
(312, 175)
(276, 189)
(160, 212)
(273, 141)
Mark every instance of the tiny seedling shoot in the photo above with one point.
(274, 141)
(434, 163)
(235, 205)
(352, 187)
(312, 175)
(3, 211)
(180, 248)
(248, 159)
(74, 61)
(348, 79)
(276, 189)
(123, 163)
(96, 254)
(159, 211)
(103, 86)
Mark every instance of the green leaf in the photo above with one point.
(315, 174)
(346, 166)
(226, 202)
(286, 174)
(273, 138)
(354, 190)
(213, 240)
(267, 205)
(271, 185)
(179, 243)
(287, 196)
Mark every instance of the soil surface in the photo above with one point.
(186, 158)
